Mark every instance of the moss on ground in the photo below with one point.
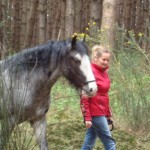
(65, 131)
(69, 135)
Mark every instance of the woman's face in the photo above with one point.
(103, 60)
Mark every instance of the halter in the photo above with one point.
(86, 82)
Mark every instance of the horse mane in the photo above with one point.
(38, 56)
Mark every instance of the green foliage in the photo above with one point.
(130, 75)
(63, 95)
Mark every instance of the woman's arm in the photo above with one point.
(84, 104)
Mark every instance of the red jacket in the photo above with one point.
(97, 105)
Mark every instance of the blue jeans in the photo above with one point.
(99, 129)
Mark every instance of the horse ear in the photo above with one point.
(74, 39)
(72, 42)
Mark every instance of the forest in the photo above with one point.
(27, 23)
(124, 27)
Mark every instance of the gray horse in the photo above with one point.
(27, 78)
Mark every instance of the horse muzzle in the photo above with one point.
(89, 88)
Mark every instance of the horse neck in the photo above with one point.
(46, 58)
(53, 77)
(56, 61)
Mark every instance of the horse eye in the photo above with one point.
(76, 60)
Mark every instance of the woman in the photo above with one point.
(96, 110)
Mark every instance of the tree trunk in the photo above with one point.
(56, 21)
(1, 23)
(4, 29)
(42, 20)
(108, 21)
(95, 12)
(127, 17)
(23, 22)
(62, 20)
(1, 29)
(49, 19)
(16, 25)
(30, 24)
(133, 14)
(119, 13)
(69, 18)
(146, 23)
(35, 36)
(85, 15)
(78, 17)
(139, 18)
(146, 13)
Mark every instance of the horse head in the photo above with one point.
(78, 68)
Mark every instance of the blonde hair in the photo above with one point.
(98, 50)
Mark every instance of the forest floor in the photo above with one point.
(67, 133)
(66, 130)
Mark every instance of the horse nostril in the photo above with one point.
(91, 90)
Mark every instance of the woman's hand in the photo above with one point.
(88, 124)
